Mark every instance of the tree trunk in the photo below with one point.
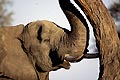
(106, 35)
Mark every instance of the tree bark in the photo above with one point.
(106, 35)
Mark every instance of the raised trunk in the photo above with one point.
(107, 39)
(79, 34)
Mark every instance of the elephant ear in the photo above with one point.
(24, 37)
(29, 34)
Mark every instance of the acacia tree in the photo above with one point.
(115, 13)
(106, 35)
(115, 10)
(5, 15)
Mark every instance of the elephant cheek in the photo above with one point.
(73, 58)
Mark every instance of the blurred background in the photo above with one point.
(14, 12)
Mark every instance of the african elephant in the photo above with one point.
(46, 40)
(42, 46)
(15, 64)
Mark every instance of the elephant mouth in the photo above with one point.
(73, 58)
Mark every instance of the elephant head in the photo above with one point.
(51, 47)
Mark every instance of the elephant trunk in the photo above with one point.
(78, 36)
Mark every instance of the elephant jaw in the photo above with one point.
(73, 58)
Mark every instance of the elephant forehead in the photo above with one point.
(50, 27)
(47, 27)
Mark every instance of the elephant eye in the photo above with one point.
(46, 40)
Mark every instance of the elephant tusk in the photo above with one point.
(74, 58)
